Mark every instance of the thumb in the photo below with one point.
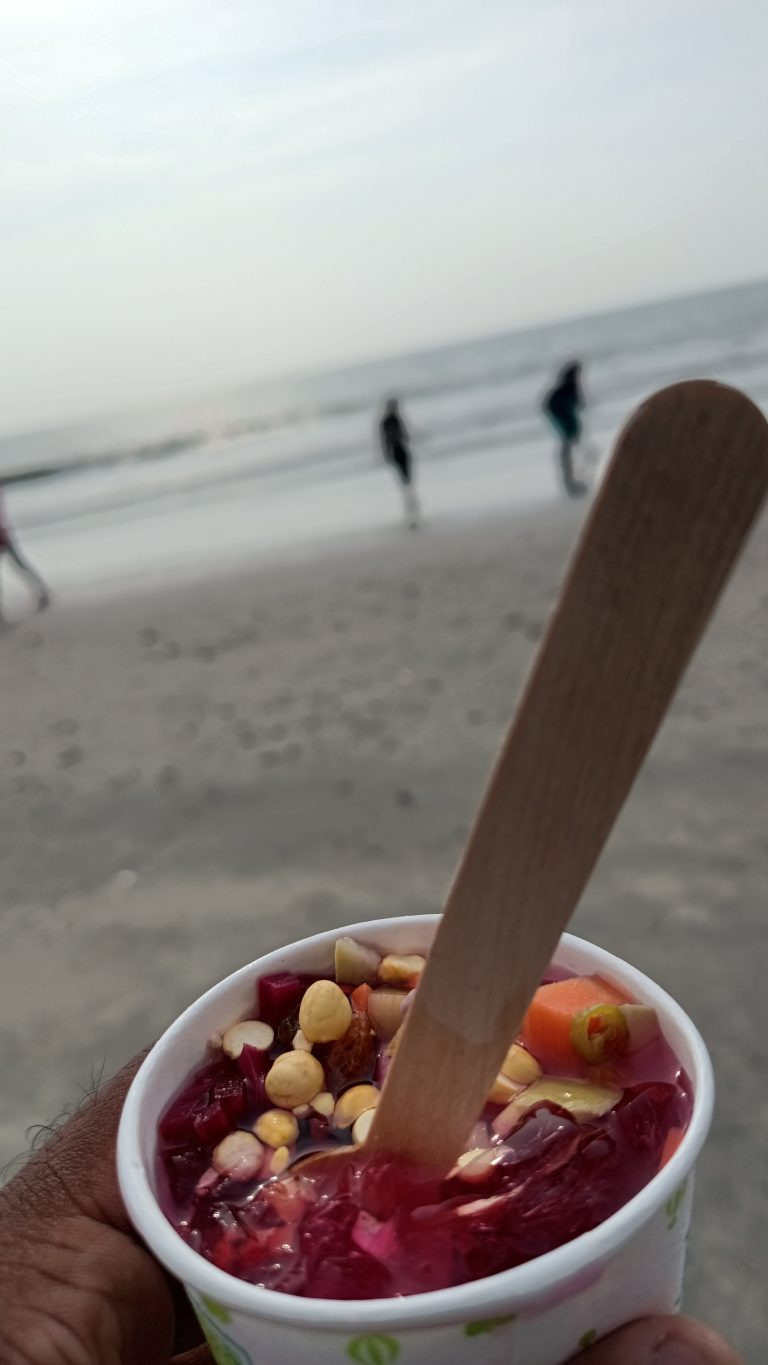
(661, 1341)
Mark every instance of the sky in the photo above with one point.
(198, 194)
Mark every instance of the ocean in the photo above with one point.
(294, 465)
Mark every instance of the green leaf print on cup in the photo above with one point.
(215, 1309)
(373, 1350)
(589, 1338)
(223, 1349)
(672, 1206)
(476, 1329)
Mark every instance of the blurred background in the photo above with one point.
(263, 702)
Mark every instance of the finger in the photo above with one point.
(201, 1356)
(661, 1341)
(80, 1158)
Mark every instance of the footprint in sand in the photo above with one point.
(148, 636)
(225, 710)
(513, 620)
(71, 756)
(122, 781)
(65, 727)
(205, 653)
(269, 758)
(168, 776)
(405, 798)
(17, 758)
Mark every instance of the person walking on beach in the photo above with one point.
(563, 405)
(9, 547)
(396, 445)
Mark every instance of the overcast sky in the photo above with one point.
(198, 193)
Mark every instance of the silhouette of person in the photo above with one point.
(9, 547)
(563, 406)
(396, 445)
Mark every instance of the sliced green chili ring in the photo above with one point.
(599, 1034)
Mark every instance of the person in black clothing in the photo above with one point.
(563, 406)
(395, 443)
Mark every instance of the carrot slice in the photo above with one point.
(671, 1143)
(546, 1028)
(359, 998)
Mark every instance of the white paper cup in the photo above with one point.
(540, 1313)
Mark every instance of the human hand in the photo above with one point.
(660, 1341)
(78, 1288)
(76, 1285)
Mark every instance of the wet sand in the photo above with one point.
(191, 776)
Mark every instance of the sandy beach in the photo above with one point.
(194, 774)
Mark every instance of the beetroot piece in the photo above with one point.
(278, 996)
(254, 1064)
(183, 1169)
(231, 1094)
(176, 1125)
(212, 1124)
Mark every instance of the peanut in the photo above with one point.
(503, 1089)
(281, 1160)
(399, 970)
(520, 1066)
(362, 1126)
(249, 1031)
(324, 1103)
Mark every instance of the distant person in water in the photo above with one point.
(563, 405)
(9, 548)
(396, 445)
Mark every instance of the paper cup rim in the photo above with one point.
(534, 1279)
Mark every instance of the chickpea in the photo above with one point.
(294, 1078)
(353, 1103)
(239, 1155)
(325, 1012)
(276, 1128)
